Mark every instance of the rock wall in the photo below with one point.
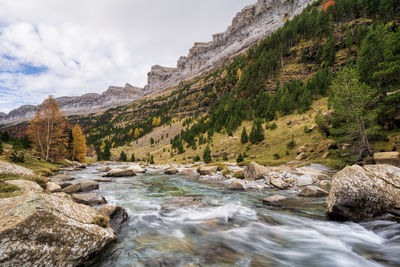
(251, 25)
(79, 105)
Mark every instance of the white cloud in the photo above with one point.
(86, 46)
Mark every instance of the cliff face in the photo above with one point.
(79, 105)
(252, 24)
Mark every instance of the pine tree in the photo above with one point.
(240, 158)
(79, 144)
(244, 138)
(106, 154)
(98, 153)
(353, 114)
(151, 161)
(257, 132)
(122, 156)
(133, 157)
(207, 155)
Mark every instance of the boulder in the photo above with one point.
(255, 171)
(183, 201)
(391, 158)
(304, 180)
(171, 170)
(53, 187)
(61, 178)
(278, 183)
(87, 186)
(74, 188)
(315, 175)
(236, 186)
(301, 156)
(116, 214)
(188, 172)
(46, 230)
(90, 199)
(63, 184)
(63, 195)
(136, 169)
(360, 193)
(302, 149)
(325, 155)
(274, 200)
(120, 173)
(208, 170)
(313, 191)
(327, 144)
(103, 180)
(105, 169)
(239, 174)
(10, 168)
(25, 186)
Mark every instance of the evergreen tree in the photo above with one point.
(207, 155)
(151, 161)
(133, 157)
(240, 158)
(1, 147)
(122, 156)
(106, 154)
(353, 114)
(257, 132)
(98, 153)
(244, 137)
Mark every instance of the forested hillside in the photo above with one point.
(348, 51)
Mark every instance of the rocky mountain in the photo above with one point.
(79, 105)
(251, 25)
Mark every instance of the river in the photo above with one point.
(226, 228)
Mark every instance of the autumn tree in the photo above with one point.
(47, 130)
(79, 144)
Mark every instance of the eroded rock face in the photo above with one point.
(252, 24)
(47, 230)
(360, 193)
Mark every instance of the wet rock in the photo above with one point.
(75, 188)
(116, 214)
(90, 199)
(236, 186)
(163, 262)
(360, 193)
(179, 202)
(39, 229)
(304, 180)
(25, 185)
(87, 186)
(61, 178)
(188, 172)
(171, 170)
(313, 191)
(105, 169)
(53, 187)
(208, 170)
(120, 173)
(255, 171)
(103, 180)
(274, 200)
(278, 183)
(315, 175)
(391, 158)
(63, 184)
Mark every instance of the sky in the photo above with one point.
(69, 48)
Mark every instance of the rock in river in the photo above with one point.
(171, 170)
(274, 200)
(313, 191)
(208, 170)
(53, 187)
(120, 173)
(90, 199)
(116, 214)
(38, 229)
(360, 193)
(87, 186)
(255, 172)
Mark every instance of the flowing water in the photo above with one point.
(234, 228)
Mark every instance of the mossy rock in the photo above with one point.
(239, 175)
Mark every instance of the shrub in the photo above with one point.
(133, 157)
(291, 144)
(207, 155)
(18, 156)
(322, 123)
(122, 156)
(239, 175)
(196, 158)
(276, 156)
(240, 158)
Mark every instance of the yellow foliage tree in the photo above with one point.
(48, 131)
(79, 144)
(156, 121)
(130, 132)
(239, 74)
(138, 132)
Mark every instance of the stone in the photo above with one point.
(10, 168)
(391, 158)
(278, 183)
(255, 172)
(236, 186)
(238, 174)
(120, 173)
(188, 172)
(61, 178)
(90, 199)
(208, 170)
(361, 193)
(116, 214)
(40, 229)
(316, 175)
(103, 180)
(87, 186)
(63, 184)
(171, 170)
(313, 191)
(105, 169)
(63, 195)
(274, 200)
(53, 187)
(302, 149)
(304, 180)
(136, 169)
(301, 156)
(25, 185)
(327, 144)
(325, 155)
(183, 201)
(74, 188)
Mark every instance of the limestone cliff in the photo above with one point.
(251, 25)
(79, 105)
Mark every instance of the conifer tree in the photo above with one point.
(79, 144)
(133, 157)
(98, 153)
(207, 155)
(244, 137)
(106, 154)
(257, 132)
(240, 158)
(1, 147)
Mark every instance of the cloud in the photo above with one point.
(74, 47)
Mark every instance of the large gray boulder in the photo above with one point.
(360, 193)
(25, 185)
(116, 214)
(171, 170)
(120, 173)
(207, 170)
(255, 171)
(53, 187)
(87, 186)
(90, 199)
(39, 229)
(74, 188)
